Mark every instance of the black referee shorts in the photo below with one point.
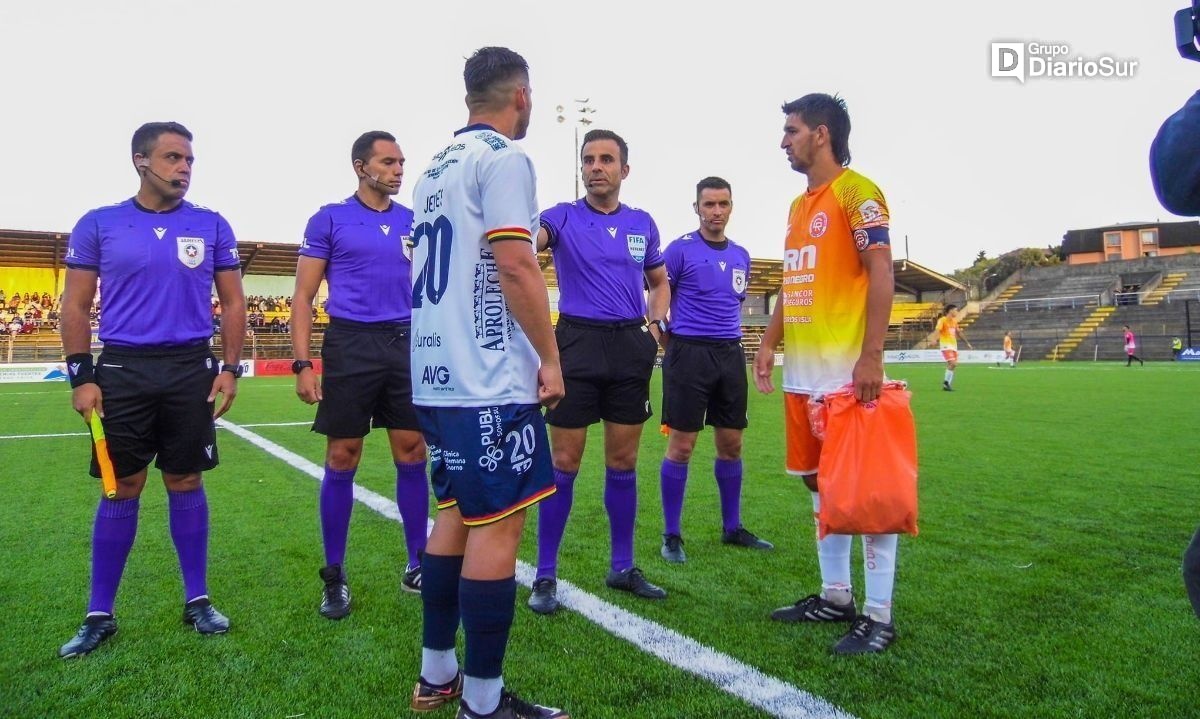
(606, 369)
(366, 379)
(704, 382)
(156, 405)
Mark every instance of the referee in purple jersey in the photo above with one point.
(704, 370)
(605, 254)
(360, 247)
(156, 257)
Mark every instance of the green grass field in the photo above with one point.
(1056, 501)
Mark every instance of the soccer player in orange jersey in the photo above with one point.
(1010, 355)
(832, 315)
(948, 333)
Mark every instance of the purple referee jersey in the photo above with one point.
(708, 286)
(601, 259)
(369, 267)
(156, 270)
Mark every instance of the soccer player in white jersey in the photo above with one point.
(483, 360)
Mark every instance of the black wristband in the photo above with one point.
(80, 369)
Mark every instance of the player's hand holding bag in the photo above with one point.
(867, 476)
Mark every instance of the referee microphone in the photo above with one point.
(374, 179)
(173, 183)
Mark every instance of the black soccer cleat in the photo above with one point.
(513, 707)
(201, 615)
(632, 580)
(946, 386)
(672, 549)
(92, 633)
(335, 597)
(412, 580)
(427, 697)
(866, 636)
(544, 599)
(742, 537)
(815, 608)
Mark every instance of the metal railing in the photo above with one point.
(1046, 303)
(1182, 295)
(1130, 298)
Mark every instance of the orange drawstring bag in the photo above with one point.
(867, 476)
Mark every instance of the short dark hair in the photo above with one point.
(145, 137)
(817, 109)
(364, 146)
(712, 183)
(948, 308)
(594, 135)
(489, 68)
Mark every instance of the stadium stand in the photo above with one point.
(1076, 311)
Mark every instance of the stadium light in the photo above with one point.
(582, 111)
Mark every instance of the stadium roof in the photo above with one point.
(916, 279)
(25, 248)
(22, 248)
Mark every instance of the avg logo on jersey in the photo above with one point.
(437, 374)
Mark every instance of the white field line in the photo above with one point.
(42, 436)
(84, 434)
(772, 695)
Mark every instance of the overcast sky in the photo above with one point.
(276, 93)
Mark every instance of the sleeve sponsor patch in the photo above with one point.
(871, 213)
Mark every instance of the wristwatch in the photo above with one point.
(234, 369)
(661, 324)
(299, 366)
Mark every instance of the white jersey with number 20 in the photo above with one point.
(467, 348)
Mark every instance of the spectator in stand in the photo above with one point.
(29, 326)
(2, 296)
(14, 326)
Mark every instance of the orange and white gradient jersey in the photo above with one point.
(824, 282)
(947, 332)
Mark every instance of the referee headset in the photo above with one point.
(144, 164)
(361, 167)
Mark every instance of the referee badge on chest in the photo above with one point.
(190, 251)
(739, 280)
(637, 247)
(406, 244)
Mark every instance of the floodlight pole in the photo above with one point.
(582, 110)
